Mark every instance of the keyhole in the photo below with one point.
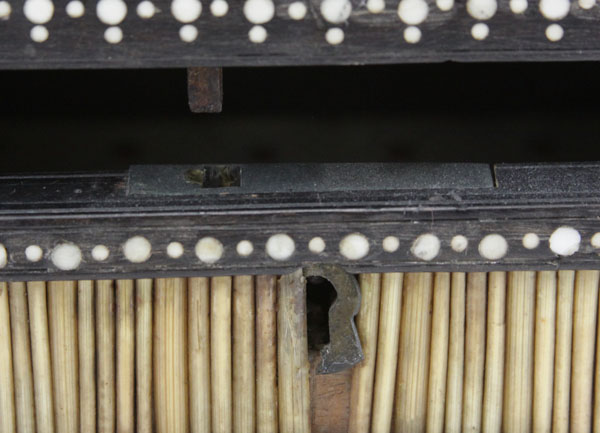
(320, 295)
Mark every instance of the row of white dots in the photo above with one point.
(258, 12)
(564, 241)
(411, 12)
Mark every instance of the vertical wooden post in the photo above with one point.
(494, 353)
(199, 354)
(520, 319)
(42, 364)
(545, 328)
(19, 323)
(243, 355)
(7, 388)
(456, 354)
(62, 296)
(266, 354)
(474, 351)
(438, 364)
(387, 352)
(170, 355)
(413, 362)
(105, 341)
(562, 356)
(585, 312)
(87, 356)
(125, 357)
(220, 362)
(367, 323)
(294, 392)
(143, 354)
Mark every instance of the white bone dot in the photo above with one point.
(336, 11)
(426, 247)
(555, 9)
(482, 9)
(531, 241)
(493, 247)
(39, 34)
(595, 241)
(518, 6)
(480, 31)
(145, 9)
(554, 32)
(412, 34)
(459, 243)
(137, 249)
(390, 244)
(413, 12)
(587, 4)
(34, 253)
(113, 35)
(5, 10)
(316, 245)
(75, 9)
(175, 250)
(376, 6)
(354, 246)
(188, 33)
(3, 256)
(100, 253)
(444, 5)
(244, 248)
(209, 250)
(259, 11)
(565, 241)
(297, 10)
(186, 11)
(280, 246)
(66, 256)
(334, 36)
(257, 34)
(219, 8)
(111, 12)
(38, 11)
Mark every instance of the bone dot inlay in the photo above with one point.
(334, 36)
(39, 34)
(493, 247)
(426, 247)
(66, 256)
(34, 253)
(145, 10)
(137, 249)
(75, 9)
(564, 241)
(38, 11)
(531, 241)
(257, 34)
(5, 10)
(219, 8)
(280, 246)
(244, 248)
(297, 10)
(354, 246)
(209, 250)
(175, 250)
(100, 253)
(459, 243)
(316, 245)
(391, 244)
(3, 256)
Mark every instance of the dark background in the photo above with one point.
(84, 120)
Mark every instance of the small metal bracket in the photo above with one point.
(344, 349)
